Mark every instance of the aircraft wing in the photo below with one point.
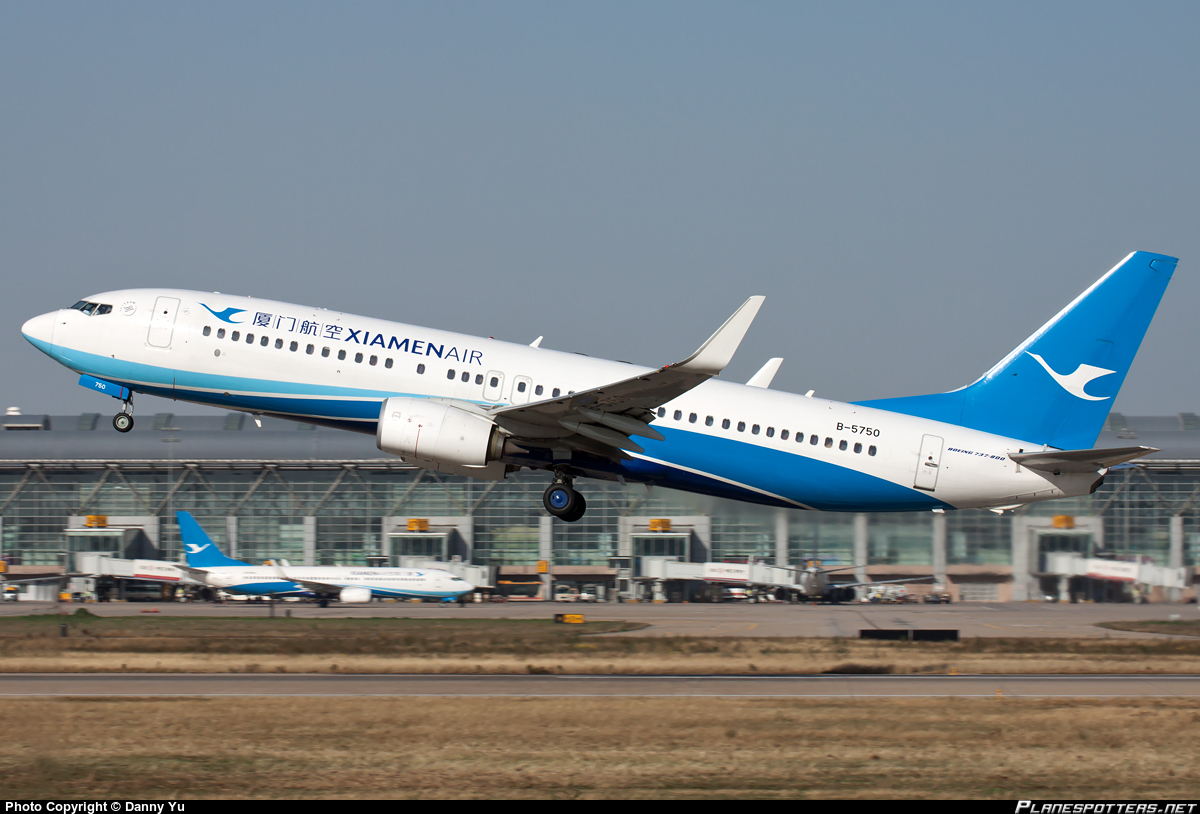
(602, 419)
(313, 585)
(878, 582)
(35, 580)
(1079, 460)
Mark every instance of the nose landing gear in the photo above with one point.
(123, 421)
(562, 501)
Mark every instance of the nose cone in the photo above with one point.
(40, 330)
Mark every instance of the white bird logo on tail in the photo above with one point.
(1077, 381)
(196, 549)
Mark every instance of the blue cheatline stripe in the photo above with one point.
(324, 400)
(819, 484)
(277, 588)
(723, 467)
(294, 589)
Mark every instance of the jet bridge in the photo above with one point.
(1106, 579)
(657, 571)
(121, 579)
(483, 577)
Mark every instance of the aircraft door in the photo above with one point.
(162, 322)
(928, 463)
(522, 387)
(493, 385)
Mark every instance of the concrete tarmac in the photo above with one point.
(182, 685)
(972, 619)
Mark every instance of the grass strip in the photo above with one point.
(507, 646)
(489, 748)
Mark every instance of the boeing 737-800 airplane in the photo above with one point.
(209, 566)
(459, 404)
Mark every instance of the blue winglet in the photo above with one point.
(1057, 387)
(198, 547)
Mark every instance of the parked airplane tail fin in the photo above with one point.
(1057, 387)
(200, 550)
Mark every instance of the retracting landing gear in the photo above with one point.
(123, 421)
(562, 501)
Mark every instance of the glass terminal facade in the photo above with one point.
(326, 511)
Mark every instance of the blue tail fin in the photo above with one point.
(199, 548)
(1057, 387)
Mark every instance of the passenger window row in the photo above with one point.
(310, 349)
(756, 429)
(264, 341)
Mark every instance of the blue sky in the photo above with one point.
(916, 187)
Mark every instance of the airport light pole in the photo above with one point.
(169, 440)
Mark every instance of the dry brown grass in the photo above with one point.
(738, 658)
(493, 646)
(1179, 627)
(594, 748)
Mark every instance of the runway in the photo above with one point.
(972, 619)
(328, 686)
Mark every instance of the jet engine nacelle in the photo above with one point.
(355, 595)
(427, 430)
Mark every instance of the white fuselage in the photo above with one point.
(400, 583)
(721, 438)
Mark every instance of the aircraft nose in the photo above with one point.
(40, 330)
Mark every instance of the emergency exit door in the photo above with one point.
(928, 463)
(162, 322)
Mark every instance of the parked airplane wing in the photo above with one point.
(869, 583)
(604, 418)
(321, 587)
(312, 585)
(1079, 460)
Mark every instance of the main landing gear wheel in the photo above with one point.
(580, 509)
(562, 501)
(123, 422)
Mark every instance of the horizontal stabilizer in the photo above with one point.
(1079, 460)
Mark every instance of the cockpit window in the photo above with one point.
(91, 308)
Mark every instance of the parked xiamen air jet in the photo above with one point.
(209, 566)
(460, 404)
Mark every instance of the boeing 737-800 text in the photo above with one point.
(460, 404)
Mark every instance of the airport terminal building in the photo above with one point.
(320, 496)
